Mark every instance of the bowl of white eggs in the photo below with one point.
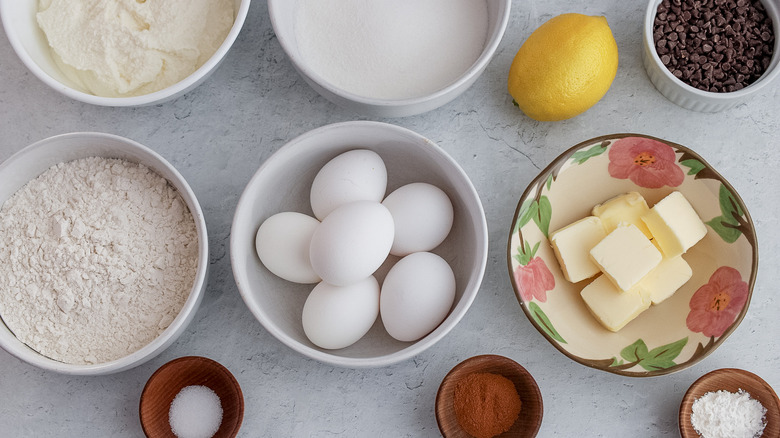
(359, 244)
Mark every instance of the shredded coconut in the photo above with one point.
(99, 256)
(724, 414)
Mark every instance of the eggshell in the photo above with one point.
(282, 242)
(417, 295)
(352, 242)
(338, 316)
(422, 214)
(356, 175)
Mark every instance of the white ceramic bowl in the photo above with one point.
(31, 46)
(283, 17)
(33, 160)
(690, 97)
(283, 182)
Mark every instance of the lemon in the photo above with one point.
(564, 67)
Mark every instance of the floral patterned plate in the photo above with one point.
(674, 334)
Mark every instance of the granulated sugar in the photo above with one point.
(99, 256)
(196, 412)
(391, 49)
(724, 414)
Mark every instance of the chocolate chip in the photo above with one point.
(714, 45)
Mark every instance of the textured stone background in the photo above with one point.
(220, 133)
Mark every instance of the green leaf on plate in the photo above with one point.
(527, 211)
(549, 182)
(525, 253)
(663, 356)
(521, 257)
(729, 206)
(541, 319)
(616, 362)
(634, 352)
(542, 218)
(694, 165)
(533, 251)
(581, 156)
(725, 229)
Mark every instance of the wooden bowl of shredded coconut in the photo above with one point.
(731, 403)
(105, 254)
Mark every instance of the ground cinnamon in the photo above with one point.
(486, 404)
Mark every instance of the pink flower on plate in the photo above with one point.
(534, 280)
(647, 162)
(716, 304)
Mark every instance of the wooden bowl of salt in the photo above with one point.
(194, 395)
(487, 368)
(724, 387)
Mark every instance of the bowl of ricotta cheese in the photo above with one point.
(122, 53)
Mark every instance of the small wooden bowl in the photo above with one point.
(528, 422)
(179, 373)
(732, 380)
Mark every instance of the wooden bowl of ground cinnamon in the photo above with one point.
(489, 396)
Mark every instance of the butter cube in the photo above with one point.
(610, 306)
(674, 224)
(663, 281)
(625, 256)
(629, 208)
(571, 245)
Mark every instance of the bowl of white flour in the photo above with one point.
(144, 53)
(389, 58)
(105, 254)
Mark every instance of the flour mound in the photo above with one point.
(99, 256)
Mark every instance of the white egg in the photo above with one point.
(351, 242)
(417, 295)
(282, 243)
(338, 316)
(356, 175)
(423, 217)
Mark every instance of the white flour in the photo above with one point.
(723, 414)
(99, 256)
(391, 49)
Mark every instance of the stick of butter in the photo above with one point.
(571, 245)
(663, 281)
(629, 207)
(610, 306)
(625, 256)
(674, 224)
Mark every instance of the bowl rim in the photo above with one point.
(492, 40)
(772, 10)
(27, 354)
(458, 309)
(542, 176)
(155, 97)
(692, 393)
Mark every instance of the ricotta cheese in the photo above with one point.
(117, 48)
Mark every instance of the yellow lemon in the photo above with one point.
(564, 67)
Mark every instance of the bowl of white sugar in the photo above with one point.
(105, 254)
(387, 58)
(122, 53)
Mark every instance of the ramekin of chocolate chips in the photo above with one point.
(721, 50)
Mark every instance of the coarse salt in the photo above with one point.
(391, 49)
(196, 412)
(724, 414)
